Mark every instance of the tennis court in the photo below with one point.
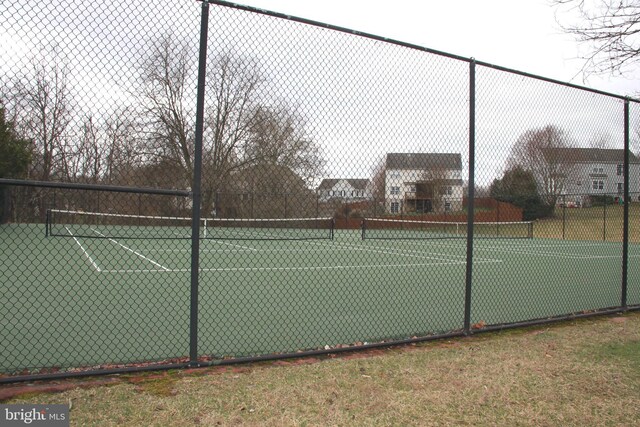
(87, 301)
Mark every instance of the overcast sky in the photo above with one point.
(523, 35)
(359, 99)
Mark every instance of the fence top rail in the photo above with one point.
(93, 187)
(256, 10)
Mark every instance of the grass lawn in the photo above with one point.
(578, 373)
(596, 223)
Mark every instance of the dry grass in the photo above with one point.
(576, 373)
(595, 223)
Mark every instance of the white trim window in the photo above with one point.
(395, 191)
(597, 184)
(395, 207)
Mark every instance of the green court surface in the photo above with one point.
(78, 301)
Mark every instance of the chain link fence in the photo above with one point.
(206, 183)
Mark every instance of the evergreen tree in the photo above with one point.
(15, 157)
(518, 187)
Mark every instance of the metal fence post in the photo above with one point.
(625, 221)
(471, 196)
(196, 189)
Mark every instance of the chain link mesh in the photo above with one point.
(335, 190)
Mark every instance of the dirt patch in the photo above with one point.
(13, 390)
(618, 320)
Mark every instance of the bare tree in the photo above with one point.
(240, 131)
(87, 161)
(167, 74)
(246, 134)
(268, 190)
(601, 140)
(278, 137)
(232, 89)
(545, 152)
(378, 174)
(124, 148)
(610, 30)
(634, 140)
(41, 105)
(44, 107)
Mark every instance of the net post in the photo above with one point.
(285, 204)
(471, 196)
(333, 227)
(196, 189)
(47, 223)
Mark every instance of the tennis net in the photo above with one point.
(388, 228)
(67, 223)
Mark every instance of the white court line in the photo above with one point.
(562, 255)
(439, 257)
(131, 250)
(323, 248)
(143, 271)
(333, 267)
(84, 251)
(577, 244)
(513, 243)
(565, 255)
(407, 253)
(251, 250)
(301, 268)
(243, 249)
(237, 246)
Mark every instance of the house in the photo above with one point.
(593, 172)
(423, 182)
(344, 189)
